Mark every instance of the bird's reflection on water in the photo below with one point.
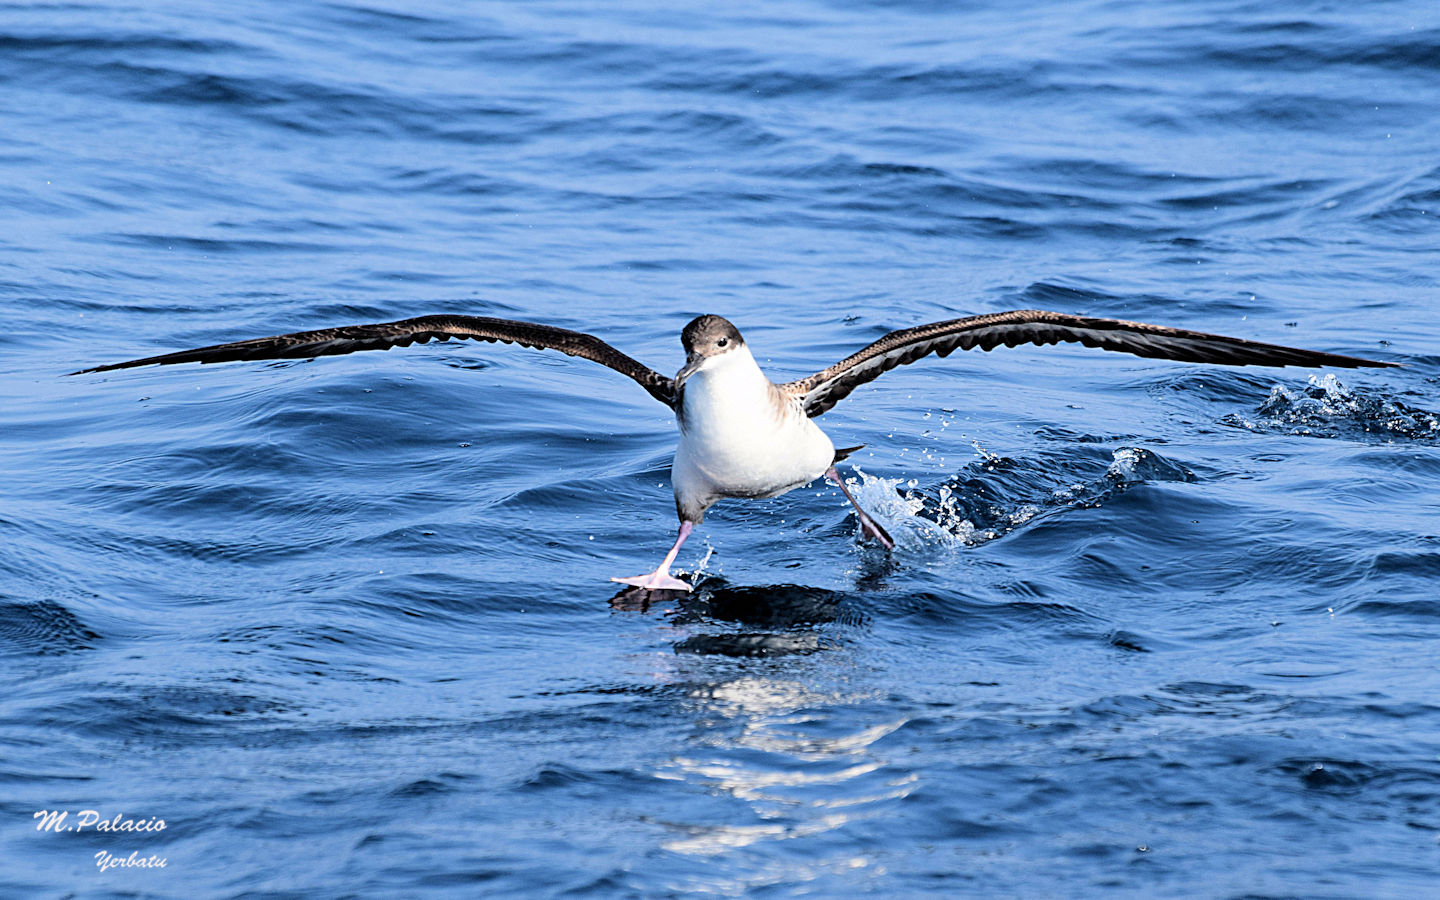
(782, 723)
(798, 743)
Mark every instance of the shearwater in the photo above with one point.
(741, 434)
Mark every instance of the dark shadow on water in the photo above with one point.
(778, 620)
(773, 606)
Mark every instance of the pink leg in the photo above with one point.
(660, 580)
(867, 525)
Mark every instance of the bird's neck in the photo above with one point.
(730, 389)
(734, 373)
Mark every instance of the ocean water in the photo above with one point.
(1152, 629)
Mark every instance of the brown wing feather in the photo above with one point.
(384, 335)
(824, 389)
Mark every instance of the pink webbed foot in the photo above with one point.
(660, 579)
(655, 581)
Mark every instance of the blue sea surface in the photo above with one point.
(1152, 629)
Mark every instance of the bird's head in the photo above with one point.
(707, 338)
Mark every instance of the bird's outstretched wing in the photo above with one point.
(384, 335)
(824, 389)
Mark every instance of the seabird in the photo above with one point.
(741, 434)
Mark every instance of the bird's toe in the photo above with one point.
(655, 581)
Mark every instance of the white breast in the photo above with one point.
(740, 437)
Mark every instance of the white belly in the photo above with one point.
(737, 441)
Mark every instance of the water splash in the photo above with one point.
(1327, 408)
(702, 566)
(995, 494)
(913, 523)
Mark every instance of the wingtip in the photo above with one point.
(94, 369)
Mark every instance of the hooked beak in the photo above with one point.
(693, 362)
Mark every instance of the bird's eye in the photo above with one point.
(722, 342)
